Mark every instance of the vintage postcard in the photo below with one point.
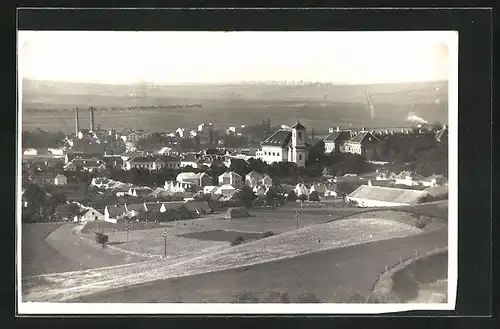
(237, 172)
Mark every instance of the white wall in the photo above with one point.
(374, 203)
(271, 154)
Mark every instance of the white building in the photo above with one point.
(60, 179)
(285, 145)
(336, 138)
(301, 189)
(230, 178)
(226, 191)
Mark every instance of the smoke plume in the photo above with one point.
(415, 118)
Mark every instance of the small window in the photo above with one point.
(300, 135)
(300, 156)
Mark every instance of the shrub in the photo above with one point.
(237, 241)
(291, 196)
(302, 197)
(308, 297)
(101, 238)
(267, 234)
(314, 196)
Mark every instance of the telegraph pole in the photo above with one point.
(165, 247)
(128, 235)
(297, 217)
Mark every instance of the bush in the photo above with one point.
(302, 197)
(267, 234)
(101, 238)
(314, 196)
(237, 241)
(275, 297)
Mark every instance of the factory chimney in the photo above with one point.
(92, 119)
(77, 130)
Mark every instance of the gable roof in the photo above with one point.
(388, 194)
(190, 157)
(280, 138)
(341, 135)
(136, 207)
(298, 125)
(116, 210)
(153, 206)
(361, 136)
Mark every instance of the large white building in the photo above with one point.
(286, 145)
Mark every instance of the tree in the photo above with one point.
(302, 197)
(246, 196)
(271, 196)
(314, 196)
(292, 196)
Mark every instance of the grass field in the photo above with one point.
(330, 276)
(38, 256)
(221, 235)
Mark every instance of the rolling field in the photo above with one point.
(38, 256)
(332, 276)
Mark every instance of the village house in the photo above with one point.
(85, 164)
(301, 189)
(259, 190)
(113, 213)
(285, 145)
(200, 179)
(409, 179)
(335, 139)
(149, 163)
(159, 193)
(30, 151)
(60, 179)
(364, 143)
(226, 191)
(155, 207)
(189, 160)
(140, 191)
(378, 196)
(100, 182)
(253, 178)
(42, 179)
(92, 214)
(230, 178)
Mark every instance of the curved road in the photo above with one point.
(332, 276)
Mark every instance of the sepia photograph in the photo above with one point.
(219, 172)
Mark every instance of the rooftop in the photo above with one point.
(388, 194)
(280, 138)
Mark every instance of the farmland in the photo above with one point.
(198, 246)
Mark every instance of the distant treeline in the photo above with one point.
(167, 106)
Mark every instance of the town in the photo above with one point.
(103, 174)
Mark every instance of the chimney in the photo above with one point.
(363, 129)
(77, 128)
(338, 129)
(92, 118)
(444, 126)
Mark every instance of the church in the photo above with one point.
(286, 145)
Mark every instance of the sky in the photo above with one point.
(118, 57)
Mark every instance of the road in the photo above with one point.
(332, 276)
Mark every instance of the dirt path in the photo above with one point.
(339, 234)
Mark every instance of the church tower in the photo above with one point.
(299, 150)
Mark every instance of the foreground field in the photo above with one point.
(339, 275)
(38, 256)
(338, 234)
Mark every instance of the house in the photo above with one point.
(149, 163)
(378, 196)
(159, 193)
(442, 134)
(253, 178)
(42, 179)
(285, 145)
(364, 143)
(57, 151)
(30, 151)
(100, 182)
(171, 161)
(301, 189)
(409, 179)
(226, 190)
(335, 139)
(92, 215)
(85, 164)
(259, 190)
(113, 213)
(189, 160)
(60, 179)
(155, 207)
(140, 191)
(210, 189)
(230, 178)
(135, 209)
(200, 179)
(165, 150)
(318, 188)
(267, 181)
